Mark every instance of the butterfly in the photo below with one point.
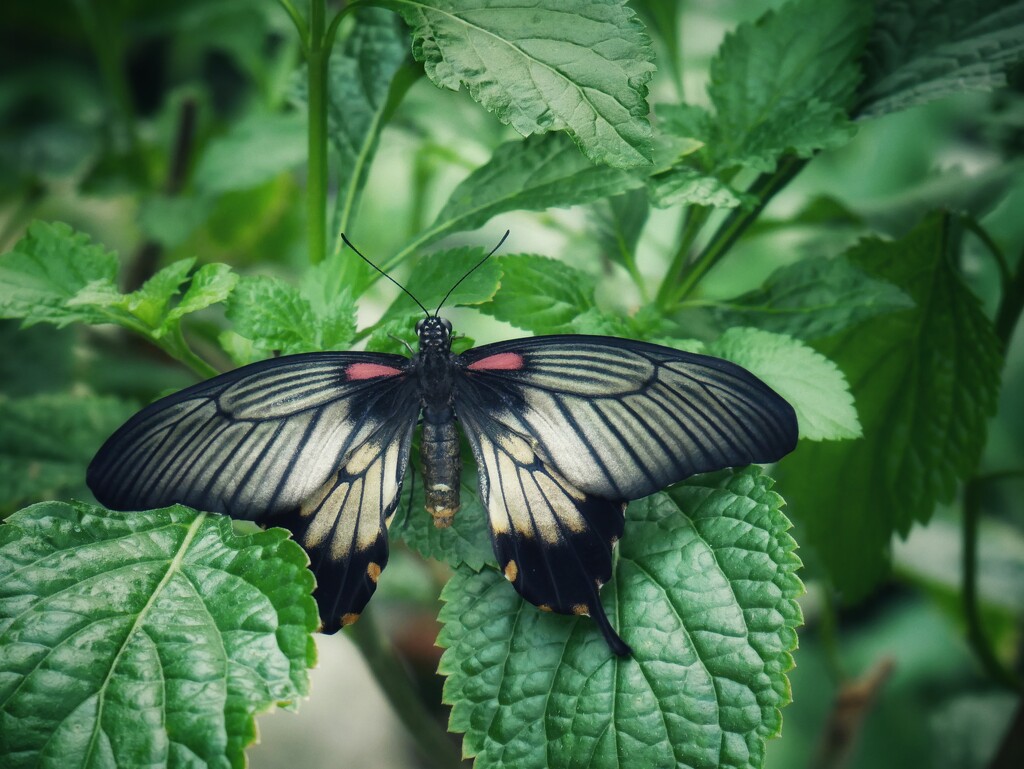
(565, 430)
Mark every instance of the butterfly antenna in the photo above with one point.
(503, 237)
(378, 269)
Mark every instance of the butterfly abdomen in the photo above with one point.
(442, 467)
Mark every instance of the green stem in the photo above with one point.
(435, 745)
(997, 253)
(174, 344)
(1010, 304)
(316, 184)
(976, 635)
(694, 219)
(298, 21)
(764, 189)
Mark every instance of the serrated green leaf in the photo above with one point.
(601, 323)
(925, 382)
(48, 267)
(812, 383)
(467, 541)
(531, 175)
(211, 284)
(145, 639)
(47, 442)
(921, 50)
(782, 84)
(813, 298)
(359, 79)
(704, 592)
(278, 317)
(435, 274)
(149, 303)
(579, 66)
(688, 186)
(540, 294)
(255, 150)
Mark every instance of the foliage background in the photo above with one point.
(167, 131)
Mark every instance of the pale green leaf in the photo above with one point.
(580, 66)
(48, 440)
(812, 383)
(211, 284)
(540, 294)
(255, 150)
(531, 175)
(704, 592)
(147, 638)
(688, 186)
(921, 50)
(813, 298)
(48, 267)
(925, 382)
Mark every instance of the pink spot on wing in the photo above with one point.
(370, 371)
(503, 361)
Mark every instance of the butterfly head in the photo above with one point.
(435, 334)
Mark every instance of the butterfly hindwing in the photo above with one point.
(316, 442)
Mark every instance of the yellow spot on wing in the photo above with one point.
(348, 619)
(373, 571)
(581, 610)
(511, 571)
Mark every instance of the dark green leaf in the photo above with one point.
(813, 298)
(145, 639)
(925, 382)
(540, 294)
(47, 442)
(434, 275)
(618, 222)
(704, 592)
(46, 268)
(783, 83)
(531, 175)
(358, 83)
(921, 50)
(581, 66)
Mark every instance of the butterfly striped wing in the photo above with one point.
(566, 429)
(317, 443)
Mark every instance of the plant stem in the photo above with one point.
(316, 183)
(694, 219)
(1010, 305)
(976, 635)
(174, 344)
(764, 188)
(433, 742)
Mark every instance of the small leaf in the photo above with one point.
(255, 150)
(704, 592)
(925, 381)
(580, 66)
(149, 303)
(812, 383)
(688, 186)
(531, 175)
(540, 294)
(435, 274)
(922, 50)
(783, 83)
(813, 298)
(145, 639)
(211, 284)
(618, 223)
(47, 442)
(48, 267)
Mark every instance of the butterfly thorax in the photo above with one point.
(439, 448)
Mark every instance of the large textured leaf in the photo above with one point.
(783, 83)
(47, 441)
(921, 50)
(540, 294)
(813, 298)
(46, 268)
(145, 639)
(925, 382)
(576, 65)
(703, 592)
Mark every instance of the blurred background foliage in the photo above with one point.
(169, 129)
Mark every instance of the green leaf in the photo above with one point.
(813, 298)
(359, 79)
(580, 66)
(684, 185)
(435, 274)
(145, 639)
(467, 541)
(211, 284)
(280, 318)
(618, 223)
(782, 84)
(540, 294)
(704, 592)
(531, 175)
(811, 382)
(48, 440)
(921, 50)
(46, 268)
(925, 382)
(255, 150)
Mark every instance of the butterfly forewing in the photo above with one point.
(317, 443)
